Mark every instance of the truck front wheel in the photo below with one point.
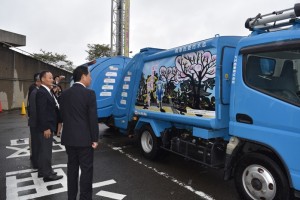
(259, 177)
(149, 143)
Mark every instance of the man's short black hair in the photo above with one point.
(36, 77)
(78, 72)
(43, 74)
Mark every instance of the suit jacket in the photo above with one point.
(46, 110)
(31, 88)
(79, 116)
(32, 121)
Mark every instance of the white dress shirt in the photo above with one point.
(48, 89)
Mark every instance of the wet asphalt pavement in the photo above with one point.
(120, 171)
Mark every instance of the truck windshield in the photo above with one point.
(276, 73)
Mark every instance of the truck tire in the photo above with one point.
(149, 143)
(259, 177)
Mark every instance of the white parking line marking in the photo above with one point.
(25, 151)
(19, 142)
(39, 187)
(33, 170)
(164, 174)
(104, 183)
(33, 187)
(57, 139)
(20, 152)
(111, 195)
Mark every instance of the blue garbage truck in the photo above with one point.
(230, 102)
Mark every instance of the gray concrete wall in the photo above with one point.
(13, 39)
(16, 75)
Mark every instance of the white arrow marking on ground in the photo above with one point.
(111, 195)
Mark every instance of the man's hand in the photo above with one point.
(47, 133)
(94, 145)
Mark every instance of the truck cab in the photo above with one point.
(265, 111)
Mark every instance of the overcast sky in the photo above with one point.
(67, 26)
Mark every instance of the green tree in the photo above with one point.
(69, 68)
(97, 51)
(53, 59)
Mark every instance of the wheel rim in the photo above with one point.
(259, 183)
(147, 141)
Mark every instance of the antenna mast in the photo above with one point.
(120, 10)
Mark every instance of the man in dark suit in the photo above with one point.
(32, 123)
(36, 79)
(46, 106)
(80, 132)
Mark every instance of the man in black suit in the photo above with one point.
(32, 122)
(80, 132)
(46, 106)
(36, 79)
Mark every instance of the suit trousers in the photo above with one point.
(45, 155)
(34, 146)
(82, 157)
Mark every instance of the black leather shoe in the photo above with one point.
(52, 178)
(52, 173)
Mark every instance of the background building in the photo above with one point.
(17, 70)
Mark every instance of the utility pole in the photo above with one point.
(120, 11)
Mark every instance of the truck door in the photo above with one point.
(226, 72)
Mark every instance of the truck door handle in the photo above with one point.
(243, 118)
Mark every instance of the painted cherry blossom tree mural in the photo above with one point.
(183, 81)
(199, 68)
(169, 76)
